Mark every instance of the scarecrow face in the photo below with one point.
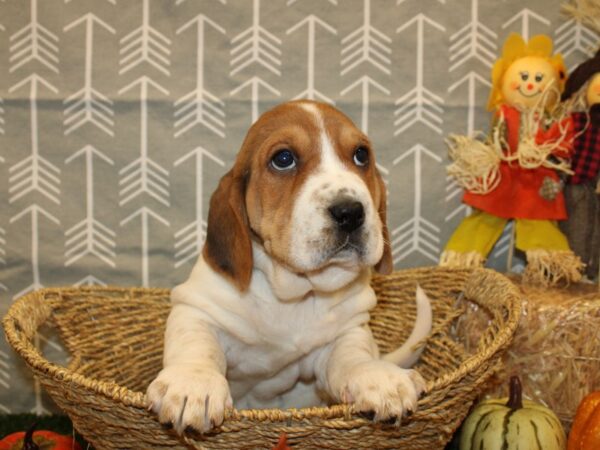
(526, 79)
(593, 90)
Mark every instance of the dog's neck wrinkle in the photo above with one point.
(291, 286)
(286, 285)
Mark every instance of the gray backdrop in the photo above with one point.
(117, 118)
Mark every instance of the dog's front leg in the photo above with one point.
(350, 370)
(191, 391)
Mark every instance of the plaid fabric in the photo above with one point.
(586, 153)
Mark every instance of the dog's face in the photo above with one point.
(306, 187)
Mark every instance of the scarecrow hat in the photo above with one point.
(581, 75)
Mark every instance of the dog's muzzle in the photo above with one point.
(348, 215)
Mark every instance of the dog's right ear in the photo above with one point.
(228, 248)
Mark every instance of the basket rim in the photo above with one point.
(136, 399)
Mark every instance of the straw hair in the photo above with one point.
(475, 163)
(585, 11)
(115, 337)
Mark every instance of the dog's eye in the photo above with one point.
(361, 156)
(283, 160)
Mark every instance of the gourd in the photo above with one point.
(585, 432)
(512, 423)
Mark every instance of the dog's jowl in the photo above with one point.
(275, 312)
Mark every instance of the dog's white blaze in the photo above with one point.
(311, 223)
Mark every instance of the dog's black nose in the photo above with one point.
(349, 215)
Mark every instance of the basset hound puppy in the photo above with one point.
(275, 312)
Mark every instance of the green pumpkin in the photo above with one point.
(512, 423)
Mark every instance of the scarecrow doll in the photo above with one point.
(582, 91)
(520, 158)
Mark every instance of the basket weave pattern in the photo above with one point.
(115, 339)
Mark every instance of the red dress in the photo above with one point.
(518, 196)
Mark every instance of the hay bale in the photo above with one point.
(556, 348)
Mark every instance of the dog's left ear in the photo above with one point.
(228, 248)
(386, 263)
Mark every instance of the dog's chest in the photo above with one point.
(277, 334)
(281, 334)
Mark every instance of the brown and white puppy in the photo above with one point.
(275, 311)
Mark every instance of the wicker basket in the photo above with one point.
(115, 338)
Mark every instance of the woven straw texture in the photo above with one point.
(115, 338)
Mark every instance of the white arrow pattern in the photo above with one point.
(34, 42)
(35, 213)
(90, 236)
(145, 44)
(200, 106)
(145, 214)
(143, 175)
(419, 105)
(417, 235)
(168, 88)
(34, 173)
(90, 280)
(366, 44)
(473, 41)
(365, 82)
(88, 105)
(189, 239)
(254, 84)
(311, 22)
(256, 45)
(524, 19)
(572, 37)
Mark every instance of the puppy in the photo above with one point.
(275, 312)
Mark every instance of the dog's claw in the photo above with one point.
(191, 430)
(369, 415)
(390, 421)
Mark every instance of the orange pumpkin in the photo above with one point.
(38, 440)
(585, 432)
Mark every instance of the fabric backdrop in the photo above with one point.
(117, 118)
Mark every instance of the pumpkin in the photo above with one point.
(38, 440)
(585, 432)
(512, 423)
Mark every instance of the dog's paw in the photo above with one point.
(189, 398)
(383, 389)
